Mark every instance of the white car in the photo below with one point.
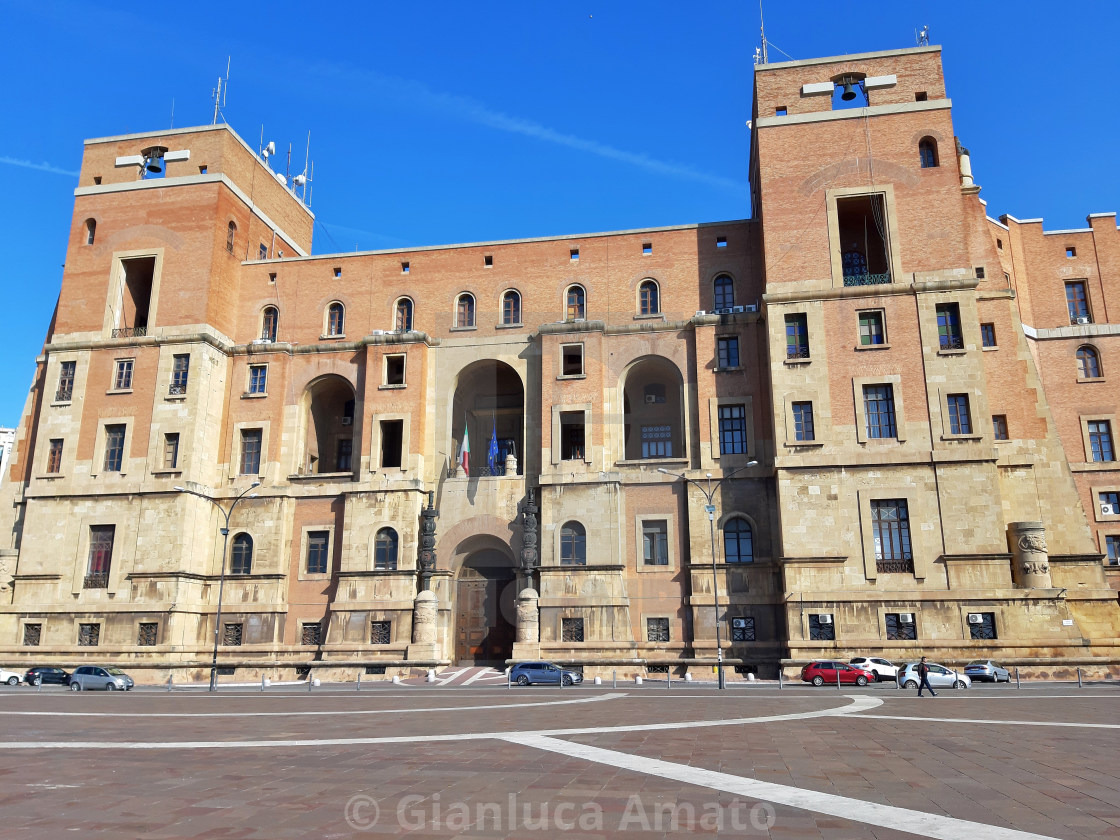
(10, 677)
(881, 668)
(939, 677)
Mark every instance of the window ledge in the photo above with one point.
(327, 476)
(572, 376)
(174, 397)
(1095, 466)
(463, 329)
(168, 472)
(872, 347)
(248, 396)
(61, 403)
(112, 391)
(653, 316)
(51, 476)
(516, 326)
(339, 337)
(992, 347)
(796, 361)
(804, 444)
(1090, 380)
(728, 369)
(392, 387)
(962, 437)
(654, 462)
(941, 352)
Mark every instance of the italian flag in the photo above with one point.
(465, 452)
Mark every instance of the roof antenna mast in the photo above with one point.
(219, 93)
(762, 21)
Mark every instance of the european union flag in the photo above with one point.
(492, 456)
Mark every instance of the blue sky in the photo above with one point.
(438, 123)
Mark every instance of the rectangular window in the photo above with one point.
(657, 441)
(311, 633)
(100, 556)
(572, 442)
(797, 336)
(394, 369)
(147, 634)
(732, 430)
(1077, 301)
(960, 423)
(345, 460)
(901, 627)
(263, 253)
(32, 635)
(258, 379)
(231, 635)
(392, 442)
(742, 629)
(890, 519)
(871, 329)
(89, 635)
(114, 447)
(988, 335)
(317, 542)
(1100, 440)
(657, 629)
(65, 391)
(1071, 251)
(982, 625)
(573, 254)
(171, 451)
(647, 248)
(180, 369)
(878, 407)
(727, 348)
(251, 451)
(999, 427)
(1109, 501)
(54, 456)
(380, 632)
(803, 421)
(1112, 548)
(949, 326)
(821, 627)
(655, 542)
(122, 379)
(571, 629)
(571, 359)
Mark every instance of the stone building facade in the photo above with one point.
(504, 450)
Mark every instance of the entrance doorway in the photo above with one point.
(485, 603)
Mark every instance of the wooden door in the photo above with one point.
(474, 624)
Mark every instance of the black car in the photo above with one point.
(40, 675)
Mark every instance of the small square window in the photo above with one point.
(1109, 500)
(982, 625)
(900, 627)
(571, 360)
(999, 427)
(394, 369)
(380, 632)
(89, 635)
(742, 629)
(920, 96)
(272, 277)
(122, 380)
(821, 628)
(657, 629)
(231, 635)
(988, 335)
(337, 271)
(871, 333)
(999, 244)
(263, 253)
(311, 633)
(404, 268)
(779, 112)
(721, 241)
(97, 180)
(571, 629)
(979, 272)
(1071, 251)
(202, 169)
(258, 379)
(575, 254)
(147, 634)
(488, 261)
(647, 248)
(32, 635)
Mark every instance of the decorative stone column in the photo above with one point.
(511, 464)
(8, 557)
(528, 645)
(1031, 562)
(427, 560)
(425, 613)
(530, 557)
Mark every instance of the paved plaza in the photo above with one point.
(481, 760)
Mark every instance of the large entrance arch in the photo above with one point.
(485, 607)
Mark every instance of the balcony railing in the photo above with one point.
(130, 332)
(64, 395)
(952, 342)
(886, 567)
(867, 279)
(98, 580)
(177, 389)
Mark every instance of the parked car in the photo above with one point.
(939, 677)
(527, 673)
(46, 675)
(819, 673)
(985, 669)
(881, 668)
(10, 677)
(90, 677)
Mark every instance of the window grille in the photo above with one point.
(311, 633)
(147, 634)
(380, 632)
(32, 635)
(571, 629)
(231, 634)
(657, 629)
(89, 635)
(742, 629)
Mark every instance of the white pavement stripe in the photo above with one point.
(990, 722)
(482, 674)
(855, 810)
(332, 713)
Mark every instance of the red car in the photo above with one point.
(820, 673)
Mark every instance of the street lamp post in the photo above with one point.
(224, 530)
(709, 495)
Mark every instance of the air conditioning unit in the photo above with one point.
(738, 622)
(751, 307)
(724, 311)
(347, 421)
(261, 341)
(701, 312)
(651, 398)
(975, 618)
(378, 332)
(1083, 319)
(906, 618)
(738, 309)
(1110, 510)
(824, 619)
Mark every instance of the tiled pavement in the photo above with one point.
(1061, 782)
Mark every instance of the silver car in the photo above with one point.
(93, 677)
(939, 677)
(986, 669)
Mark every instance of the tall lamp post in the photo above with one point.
(222, 577)
(709, 494)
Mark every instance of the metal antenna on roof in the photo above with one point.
(218, 94)
(922, 36)
(762, 21)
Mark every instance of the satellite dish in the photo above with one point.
(299, 180)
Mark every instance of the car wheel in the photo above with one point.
(13, 680)
(523, 680)
(110, 687)
(959, 685)
(75, 686)
(818, 680)
(567, 680)
(38, 681)
(861, 680)
(909, 684)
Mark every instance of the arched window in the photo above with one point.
(927, 153)
(241, 558)
(385, 549)
(649, 302)
(724, 292)
(573, 545)
(336, 319)
(231, 233)
(577, 310)
(403, 322)
(738, 541)
(270, 318)
(1088, 363)
(464, 311)
(91, 231)
(511, 307)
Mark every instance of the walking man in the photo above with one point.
(923, 675)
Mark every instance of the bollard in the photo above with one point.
(614, 679)
(1079, 678)
(509, 682)
(637, 680)
(780, 686)
(598, 681)
(669, 679)
(1017, 678)
(262, 683)
(396, 679)
(359, 688)
(431, 675)
(170, 681)
(687, 676)
(837, 680)
(309, 681)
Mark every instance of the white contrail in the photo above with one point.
(42, 167)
